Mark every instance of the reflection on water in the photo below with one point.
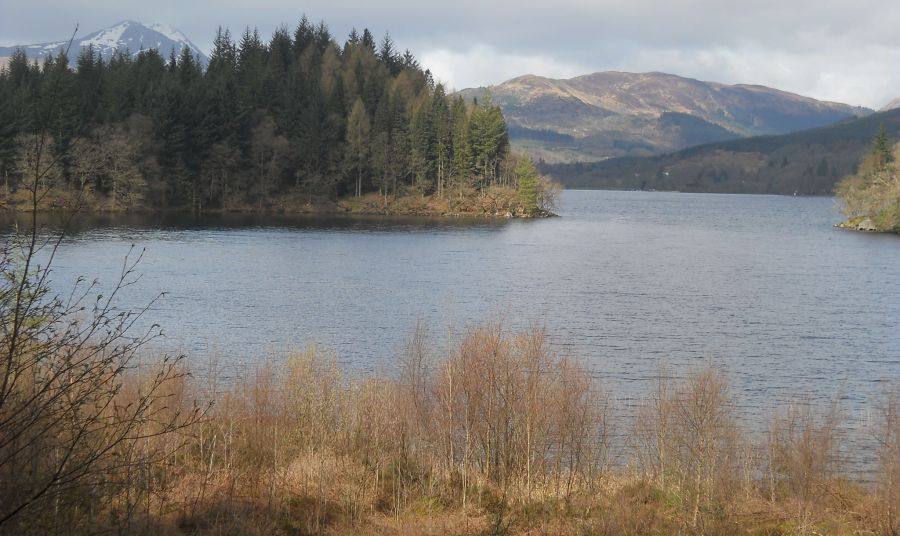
(763, 286)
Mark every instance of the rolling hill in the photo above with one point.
(809, 162)
(612, 114)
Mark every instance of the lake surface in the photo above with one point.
(762, 286)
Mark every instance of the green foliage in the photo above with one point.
(488, 138)
(881, 148)
(787, 164)
(873, 192)
(528, 182)
(266, 120)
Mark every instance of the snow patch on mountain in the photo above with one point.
(166, 30)
(127, 35)
(110, 38)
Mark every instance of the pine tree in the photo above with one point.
(488, 138)
(304, 36)
(89, 82)
(368, 40)
(223, 58)
(881, 147)
(388, 55)
(9, 130)
(401, 168)
(422, 142)
(461, 166)
(440, 114)
(295, 112)
(59, 109)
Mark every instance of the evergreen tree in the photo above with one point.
(488, 139)
(422, 141)
(881, 147)
(388, 55)
(304, 36)
(89, 81)
(368, 40)
(296, 113)
(440, 115)
(461, 163)
(223, 58)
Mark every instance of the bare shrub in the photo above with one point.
(653, 432)
(888, 436)
(70, 431)
(803, 447)
(519, 415)
(313, 390)
(687, 442)
(704, 435)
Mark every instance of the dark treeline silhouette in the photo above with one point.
(299, 116)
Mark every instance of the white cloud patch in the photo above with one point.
(829, 49)
(853, 75)
(481, 65)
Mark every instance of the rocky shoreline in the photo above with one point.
(865, 225)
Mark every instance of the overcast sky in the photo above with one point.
(842, 50)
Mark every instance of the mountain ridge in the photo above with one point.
(124, 35)
(893, 105)
(616, 113)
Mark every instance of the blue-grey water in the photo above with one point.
(763, 286)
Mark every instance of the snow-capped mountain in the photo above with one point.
(126, 36)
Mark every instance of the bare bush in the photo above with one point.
(688, 441)
(888, 435)
(802, 446)
(519, 415)
(70, 431)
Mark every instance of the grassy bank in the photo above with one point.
(501, 436)
(491, 202)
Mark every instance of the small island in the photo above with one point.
(871, 196)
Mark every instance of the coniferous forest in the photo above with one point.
(294, 119)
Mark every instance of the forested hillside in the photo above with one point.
(615, 114)
(298, 117)
(809, 162)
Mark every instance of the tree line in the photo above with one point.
(299, 115)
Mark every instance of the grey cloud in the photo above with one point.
(826, 48)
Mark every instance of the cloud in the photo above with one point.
(832, 49)
(481, 65)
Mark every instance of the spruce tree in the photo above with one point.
(461, 166)
(881, 147)
(298, 111)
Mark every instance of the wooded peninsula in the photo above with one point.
(296, 124)
(871, 196)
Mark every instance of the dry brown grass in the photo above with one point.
(501, 436)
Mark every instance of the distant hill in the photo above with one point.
(810, 162)
(611, 114)
(125, 36)
(893, 105)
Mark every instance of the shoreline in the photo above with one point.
(485, 207)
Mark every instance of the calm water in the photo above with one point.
(764, 286)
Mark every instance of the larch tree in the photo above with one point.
(358, 130)
(528, 183)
